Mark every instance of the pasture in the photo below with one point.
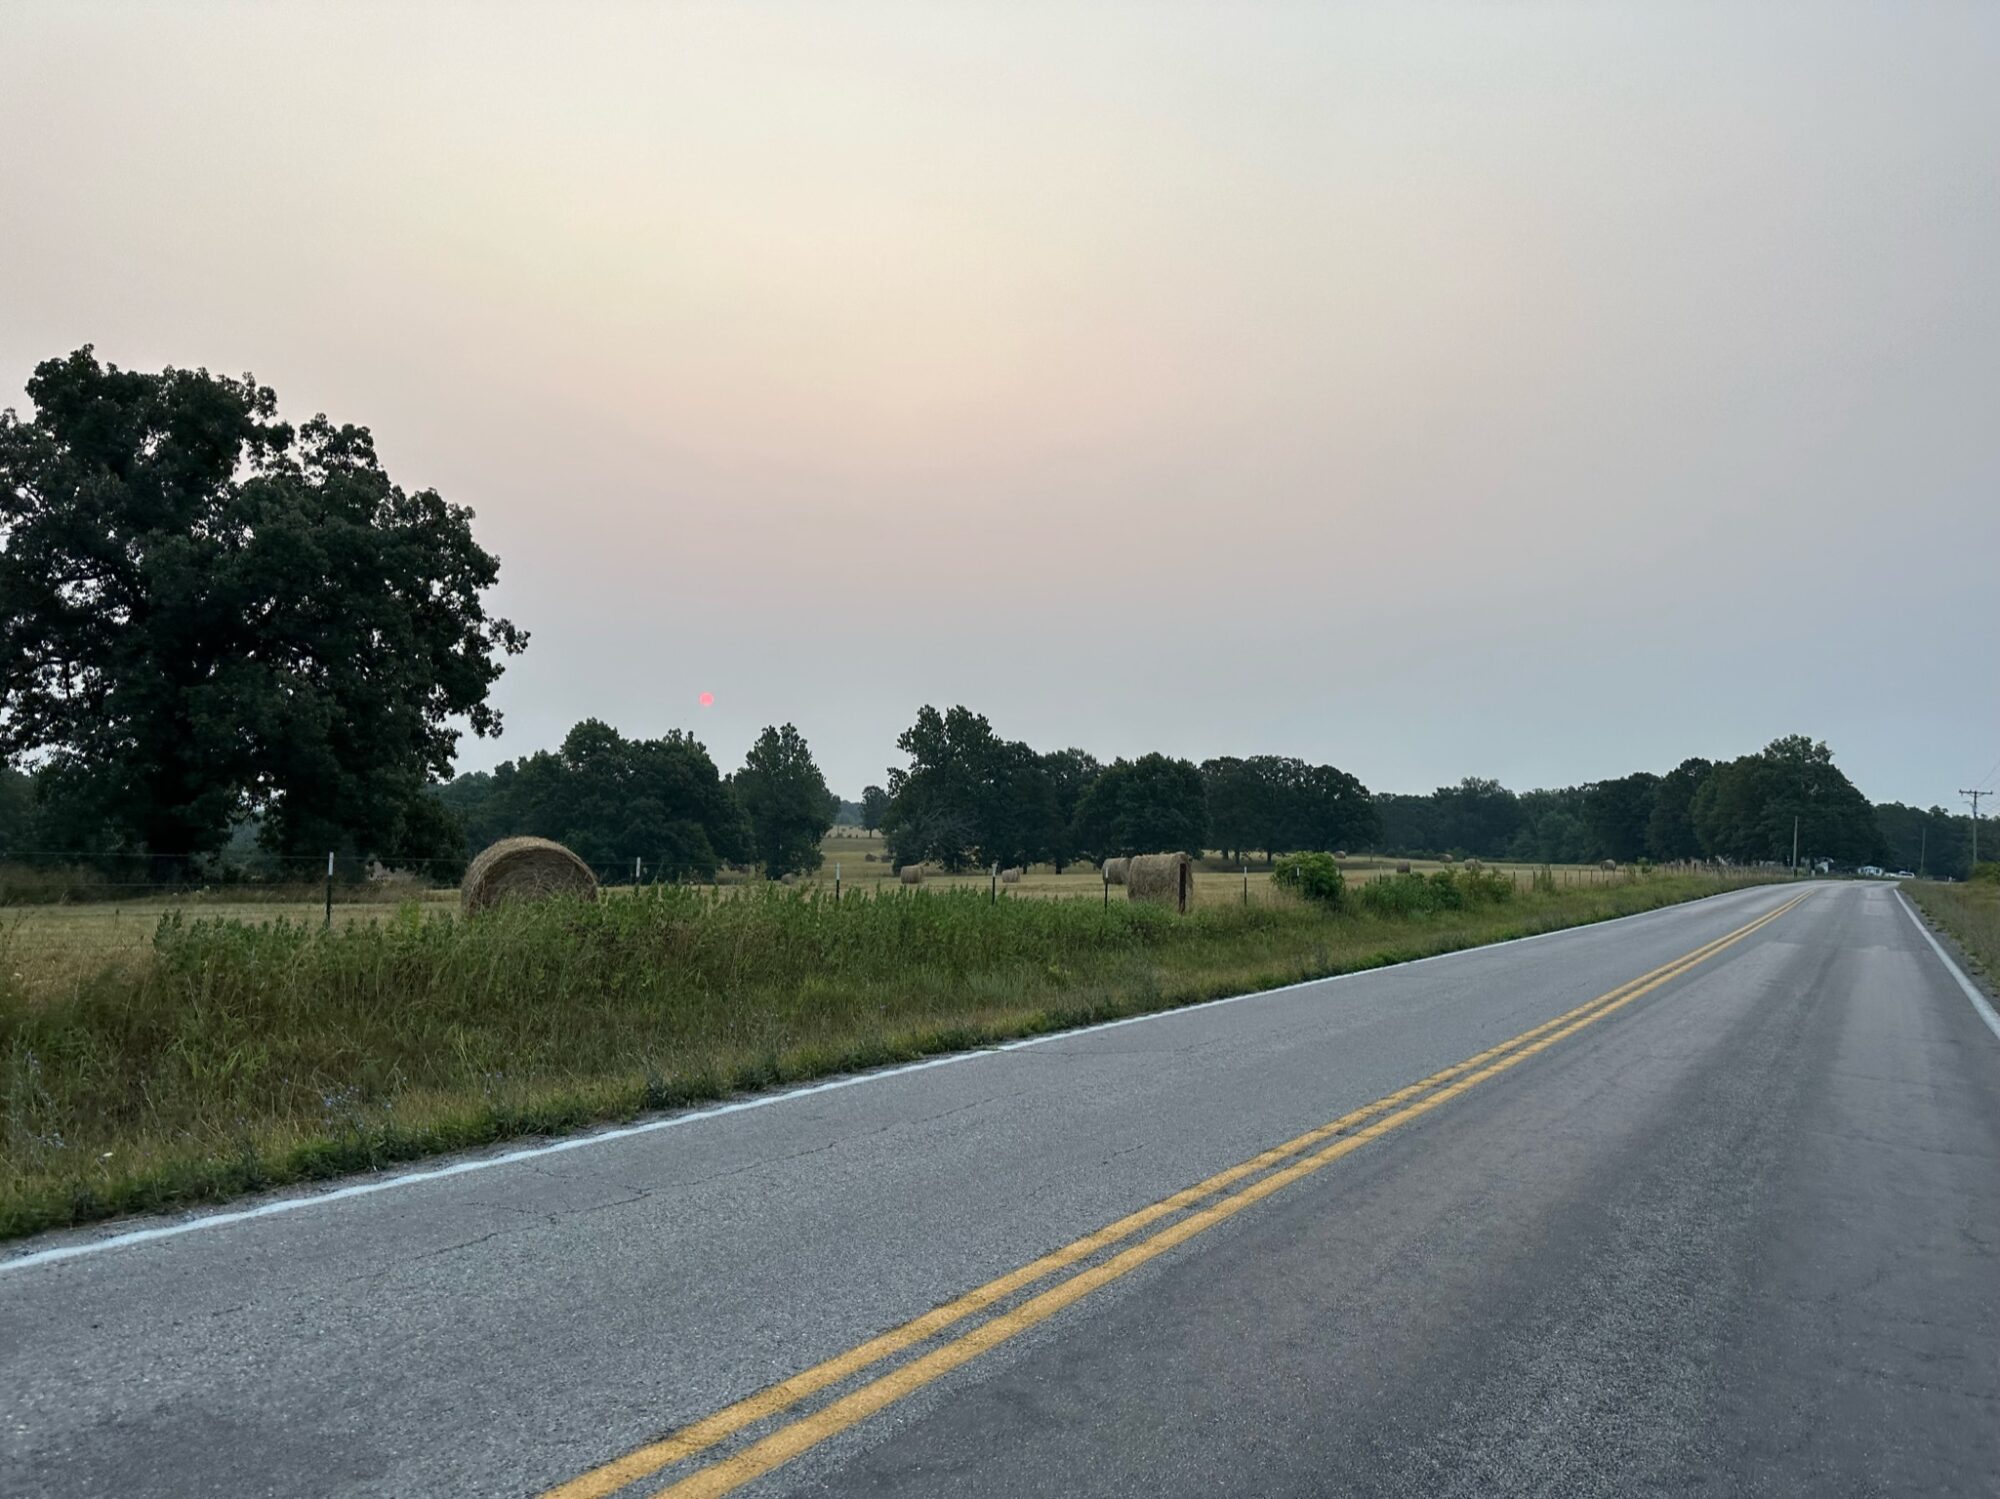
(51, 945)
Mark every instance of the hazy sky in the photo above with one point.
(1535, 391)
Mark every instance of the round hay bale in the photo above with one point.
(911, 874)
(1474, 865)
(524, 869)
(1010, 876)
(1446, 859)
(1165, 879)
(788, 879)
(1114, 871)
(1340, 853)
(1404, 867)
(1607, 864)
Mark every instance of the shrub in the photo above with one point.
(1446, 890)
(1987, 870)
(48, 884)
(1315, 876)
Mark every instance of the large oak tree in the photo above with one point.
(206, 613)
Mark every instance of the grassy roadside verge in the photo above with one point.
(243, 1056)
(1971, 914)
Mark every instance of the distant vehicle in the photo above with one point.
(1904, 874)
(1870, 871)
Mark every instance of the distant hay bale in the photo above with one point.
(1404, 867)
(1165, 879)
(1340, 853)
(1114, 871)
(1010, 876)
(524, 869)
(1474, 865)
(1607, 864)
(1445, 858)
(788, 879)
(911, 874)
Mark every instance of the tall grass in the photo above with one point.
(1970, 913)
(244, 1055)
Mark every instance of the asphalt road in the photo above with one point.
(1731, 1229)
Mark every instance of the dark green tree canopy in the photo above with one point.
(1746, 810)
(611, 800)
(787, 801)
(1619, 812)
(1154, 804)
(1670, 829)
(1277, 804)
(206, 614)
(874, 802)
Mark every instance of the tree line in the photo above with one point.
(223, 634)
(970, 798)
(1743, 810)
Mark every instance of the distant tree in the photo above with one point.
(785, 796)
(1070, 774)
(210, 615)
(1554, 828)
(1618, 813)
(938, 803)
(1238, 812)
(1747, 809)
(874, 802)
(968, 796)
(1477, 816)
(1153, 804)
(1670, 829)
(1929, 840)
(1337, 811)
(1409, 824)
(611, 800)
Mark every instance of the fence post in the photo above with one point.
(329, 890)
(1246, 884)
(836, 882)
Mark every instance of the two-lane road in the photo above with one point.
(1703, 1201)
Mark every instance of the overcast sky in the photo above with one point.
(1538, 392)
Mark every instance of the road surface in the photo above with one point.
(1704, 1201)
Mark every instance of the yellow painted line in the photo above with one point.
(701, 1435)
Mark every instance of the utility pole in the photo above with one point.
(1974, 796)
(1795, 847)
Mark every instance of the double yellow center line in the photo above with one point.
(1348, 1133)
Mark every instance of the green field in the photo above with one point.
(159, 1060)
(51, 946)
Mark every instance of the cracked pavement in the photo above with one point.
(1743, 1237)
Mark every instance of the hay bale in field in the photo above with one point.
(1445, 859)
(524, 869)
(1166, 879)
(1114, 871)
(1474, 865)
(911, 874)
(1340, 853)
(1607, 864)
(1010, 876)
(1404, 867)
(788, 879)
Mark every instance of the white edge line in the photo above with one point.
(1979, 1001)
(766, 1100)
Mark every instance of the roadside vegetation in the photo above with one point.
(1970, 913)
(234, 1055)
